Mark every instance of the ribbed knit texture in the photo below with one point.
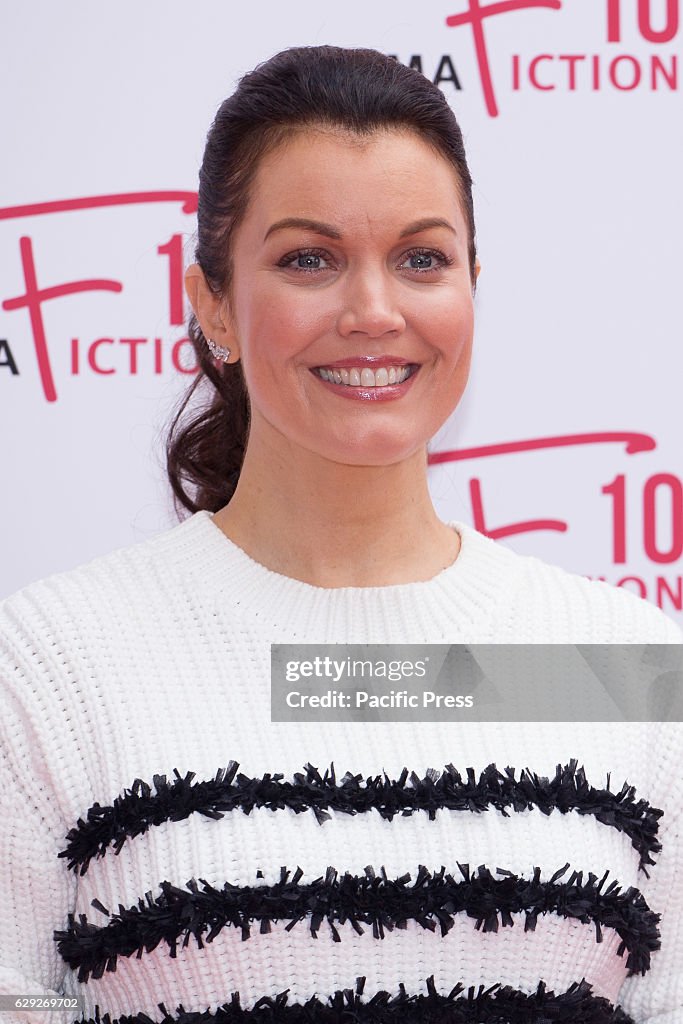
(163, 842)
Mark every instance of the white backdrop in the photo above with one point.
(567, 443)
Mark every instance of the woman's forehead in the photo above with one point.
(332, 173)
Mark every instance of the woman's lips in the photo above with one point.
(365, 392)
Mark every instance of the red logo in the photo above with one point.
(476, 16)
(34, 297)
(575, 71)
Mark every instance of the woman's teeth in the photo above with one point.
(365, 378)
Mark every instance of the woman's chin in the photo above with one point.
(377, 453)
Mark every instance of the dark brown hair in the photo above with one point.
(359, 90)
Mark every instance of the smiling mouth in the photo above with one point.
(364, 377)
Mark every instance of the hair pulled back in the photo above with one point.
(359, 90)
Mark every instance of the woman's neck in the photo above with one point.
(336, 525)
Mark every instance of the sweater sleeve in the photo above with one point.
(36, 889)
(657, 997)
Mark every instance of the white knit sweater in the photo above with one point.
(139, 866)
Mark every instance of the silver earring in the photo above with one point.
(218, 351)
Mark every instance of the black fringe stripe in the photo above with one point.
(138, 808)
(372, 899)
(493, 1005)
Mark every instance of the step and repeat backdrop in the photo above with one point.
(567, 444)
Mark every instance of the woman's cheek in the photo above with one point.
(445, 325)
(297, 316)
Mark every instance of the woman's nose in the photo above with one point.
(370, 305)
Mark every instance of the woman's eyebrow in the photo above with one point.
(303, 222)
(425, 224)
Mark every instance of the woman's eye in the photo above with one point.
(306, 260)
(425, 259)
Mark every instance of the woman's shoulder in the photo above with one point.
(547, 599)
(125, 577)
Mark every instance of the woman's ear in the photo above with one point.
(477, 268)
(211, 311)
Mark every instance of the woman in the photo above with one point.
(412, 870)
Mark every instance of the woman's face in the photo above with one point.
(353, 254)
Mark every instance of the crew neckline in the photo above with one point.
(462, 597)
(256, 566)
